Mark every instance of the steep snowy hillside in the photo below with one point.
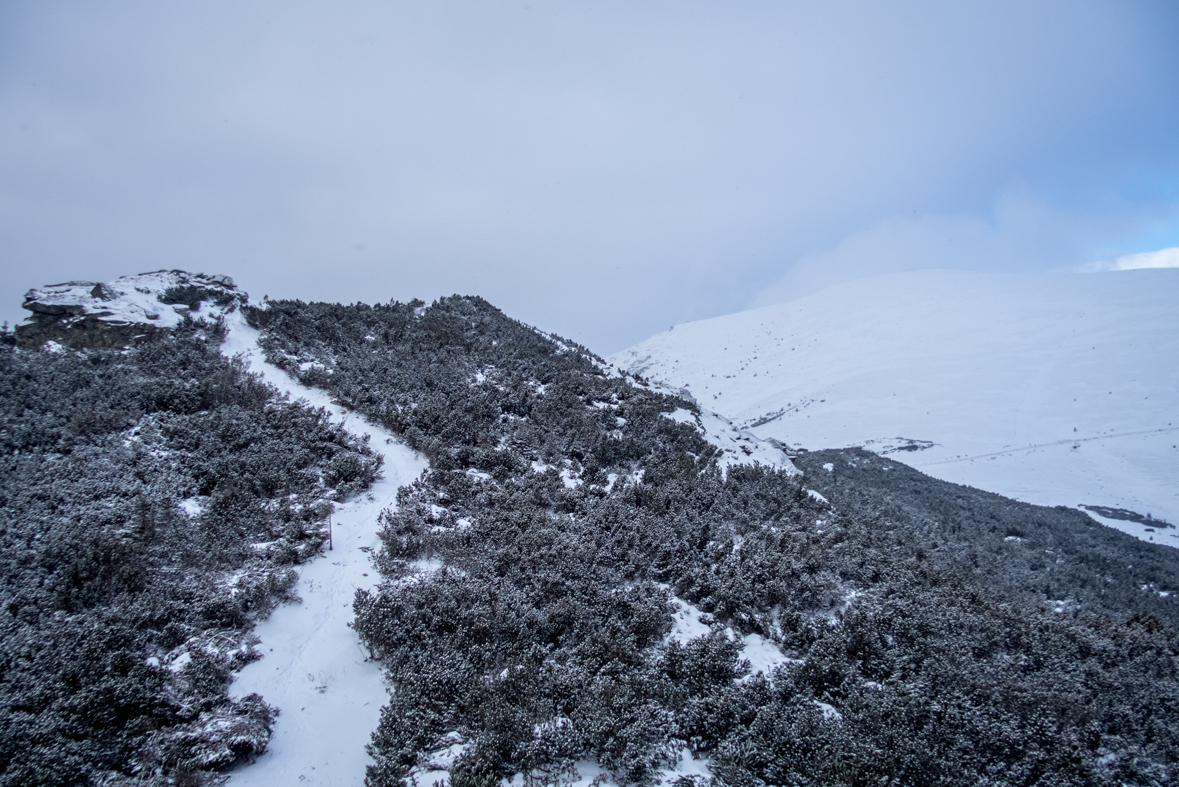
(1051, 389)
(589, 584)
(312, 668)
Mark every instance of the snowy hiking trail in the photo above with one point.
(314, 669)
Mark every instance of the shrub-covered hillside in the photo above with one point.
(152, 503)
(576, 581)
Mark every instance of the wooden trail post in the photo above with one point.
(329, 532)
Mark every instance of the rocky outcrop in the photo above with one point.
(84, 315)
(86, 332)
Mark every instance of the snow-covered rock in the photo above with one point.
(101, 315)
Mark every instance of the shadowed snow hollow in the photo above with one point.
(1052, 389)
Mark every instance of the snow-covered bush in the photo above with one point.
(151, 501)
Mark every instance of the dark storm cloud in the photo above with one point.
(601, 170)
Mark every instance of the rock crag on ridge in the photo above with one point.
(86, 315)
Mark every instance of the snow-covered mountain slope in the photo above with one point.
(314, 669)
(1052, 389)
(737, 446)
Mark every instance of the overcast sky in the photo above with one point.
(599, 169)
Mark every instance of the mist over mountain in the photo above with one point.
(407, 543)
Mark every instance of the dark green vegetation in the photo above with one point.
(565, 511)
(153, 501)
(1056, 554)
(193, 295)
(122, 612)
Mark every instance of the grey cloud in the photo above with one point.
(1018, 234)
(602, 171)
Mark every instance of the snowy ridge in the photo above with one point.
(314, 669)
(1051, 389)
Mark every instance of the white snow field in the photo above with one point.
(1054, 389)
(314, 669)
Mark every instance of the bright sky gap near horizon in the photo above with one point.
(600, 172)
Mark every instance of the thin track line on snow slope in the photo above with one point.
(1074, 441)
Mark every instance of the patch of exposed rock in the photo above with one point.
(84, 315)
